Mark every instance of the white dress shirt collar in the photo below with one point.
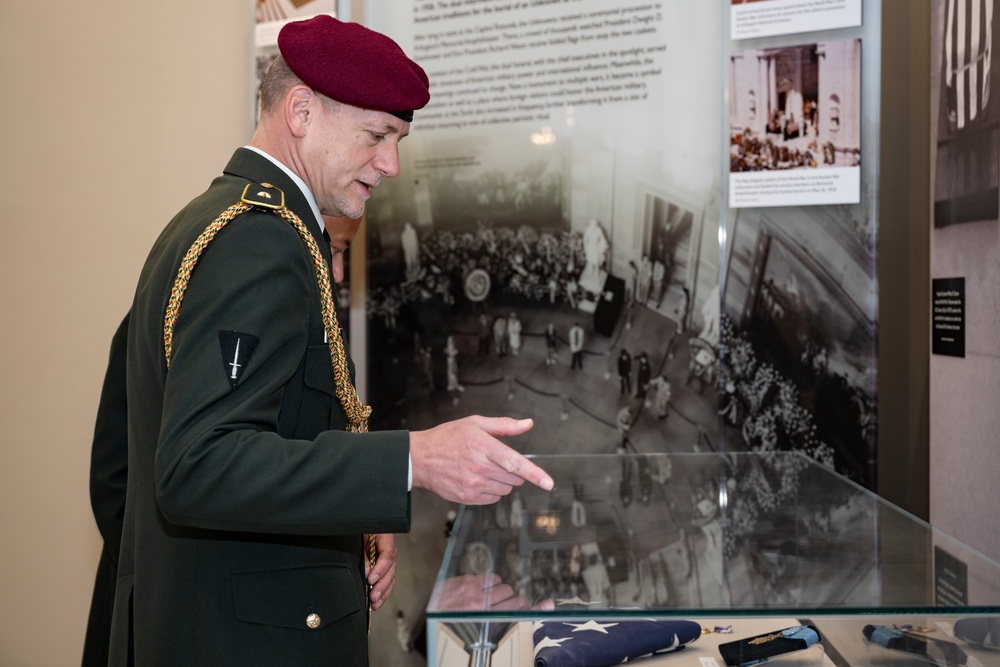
(306, 192)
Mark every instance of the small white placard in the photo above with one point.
(764, 18)
(795, 187)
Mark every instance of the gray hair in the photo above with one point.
(278, 80)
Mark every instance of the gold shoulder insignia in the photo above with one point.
(264, 195)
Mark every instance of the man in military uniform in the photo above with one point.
(252, 482)
(109, 463)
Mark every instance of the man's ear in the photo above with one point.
(300, 106)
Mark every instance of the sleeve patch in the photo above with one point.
(237, 348)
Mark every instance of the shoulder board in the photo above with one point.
(264, 195)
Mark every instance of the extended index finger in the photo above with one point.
(520, 465)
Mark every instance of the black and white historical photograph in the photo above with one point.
(496, 293)
(967, 122)
(798, 368)
(503, 280)
(545, 259)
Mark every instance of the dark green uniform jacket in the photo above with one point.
(108, 478)
(246, 498)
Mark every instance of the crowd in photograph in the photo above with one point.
(522, 264)
(765, 404)
(749, 152)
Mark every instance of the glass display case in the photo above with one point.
(715, 553)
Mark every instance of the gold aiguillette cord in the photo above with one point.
(357, 413)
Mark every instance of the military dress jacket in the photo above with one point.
(246, 500)
(108, 479)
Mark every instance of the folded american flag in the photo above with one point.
(604, 643)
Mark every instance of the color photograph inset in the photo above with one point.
(795, 109)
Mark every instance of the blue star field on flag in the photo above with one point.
(603, 643)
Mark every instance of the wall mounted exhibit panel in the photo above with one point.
(799, 366)
(550, 247)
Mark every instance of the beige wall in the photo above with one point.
(113, 115)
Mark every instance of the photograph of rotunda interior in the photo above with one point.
(796, 364)
(498, 293)
(528, 284)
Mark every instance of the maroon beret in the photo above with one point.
(355, 65)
